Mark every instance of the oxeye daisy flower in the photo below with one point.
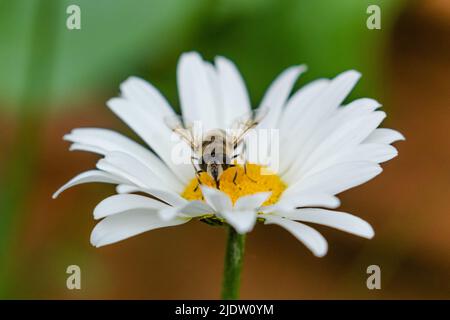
(324, 148)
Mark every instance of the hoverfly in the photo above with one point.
(216, 150)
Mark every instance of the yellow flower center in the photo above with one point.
(245, 183)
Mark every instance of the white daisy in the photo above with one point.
(325, 148)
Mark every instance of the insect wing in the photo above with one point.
(245, 123)
(185, 132)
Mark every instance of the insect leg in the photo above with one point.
(199, 182)
(235, 156)
(244, 151)
(245, 172)
(235, 176)
(197, 173)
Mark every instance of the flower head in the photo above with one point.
(324, 148)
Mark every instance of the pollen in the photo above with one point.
(245, 182)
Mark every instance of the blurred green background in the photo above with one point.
(53, 79)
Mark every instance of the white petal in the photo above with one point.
(146, 96)
(195, 208)
(169, 197)
(124, 188)
(133, 172)
(89, 176)
(384, 135)
(103, 141)
(345, 137)
(125, 202)
(168, 213)
(83, 147)
(242, 221)
(125, 225)
(217, 199)
(338, 138)
(326, 148)
(214, 82)
(291, 119)
(340, 220)
(374, 152)
(312, 239)
(277, 94)
(190, 209)
(296, 200)
(251, 202)
(296, 105)
(142, 98)
(336, 91)
(336, 179)
(360, 106)
(154, 132)
(196, 92)
(235, 100)
(322, 107)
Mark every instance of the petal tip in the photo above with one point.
(96, 237)
(190, 55)
(302, 68)
(369, 233)
(58, 192)
(322, 250)
(401, 137)
(321, 254)
(354, 73)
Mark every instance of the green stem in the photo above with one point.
(234, 257)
